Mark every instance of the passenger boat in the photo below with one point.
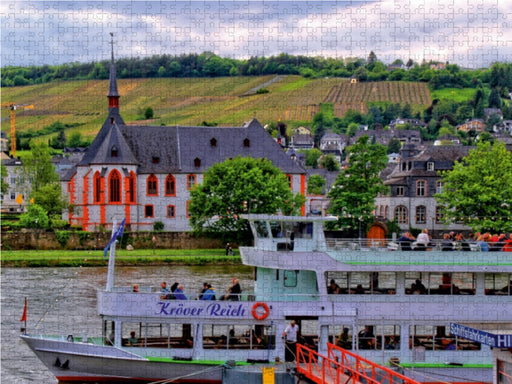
(389, 306)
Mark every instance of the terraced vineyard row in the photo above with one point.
(301, 112)
(395, 92)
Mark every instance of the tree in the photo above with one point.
(149, 113)
(38, 167)
(356, 187)
(478, 190)
(446, 129)
(316, 185)
(59, 141)
(494, 99)
(312, 155)
(394, 146)
(330, 163)
(50, 198)
(352, 129)
(75, 140)
(3, 180)
(35, 217)
(233, 187)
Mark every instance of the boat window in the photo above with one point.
(235, 336)
(361, 282)
(372, 283)
(438, 338)
(157, 335)
(378, 337)
(261, 228)
(290, 278)
(437, 283)
(498, 284)
(341, 335)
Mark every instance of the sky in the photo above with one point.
(470, 33)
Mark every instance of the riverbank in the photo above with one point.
(145, 257)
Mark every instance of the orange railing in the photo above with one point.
(344, 366)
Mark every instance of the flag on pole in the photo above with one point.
(118, 233)
(24, 316)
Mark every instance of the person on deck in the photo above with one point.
(178, 293)
(507, 247)
(209, 294)
(132, 340)
(405, 241)
(422, 241)
(290, 335)
(135, 288)
(333, 288)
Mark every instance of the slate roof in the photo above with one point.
(181, 149)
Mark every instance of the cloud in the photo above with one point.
(471, 34)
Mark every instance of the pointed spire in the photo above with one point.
(113, 94)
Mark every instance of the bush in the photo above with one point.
(63, 237)
(262, 91)
(158, 226)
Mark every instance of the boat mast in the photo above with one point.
(111, 259)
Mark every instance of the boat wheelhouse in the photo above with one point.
(381, 303)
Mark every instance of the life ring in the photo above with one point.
(256, 313)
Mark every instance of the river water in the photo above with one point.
(62, 301)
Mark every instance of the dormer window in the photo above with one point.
(155, 159)
(247, 143)
(197, 162)
(213, 142)
(113, 151)
(430, 166)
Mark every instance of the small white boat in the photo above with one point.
(385, 305)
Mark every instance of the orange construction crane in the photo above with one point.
(14, 107)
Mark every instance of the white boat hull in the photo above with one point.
(80, 362)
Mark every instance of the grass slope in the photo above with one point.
(188, 101)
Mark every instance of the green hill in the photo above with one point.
(226, 101)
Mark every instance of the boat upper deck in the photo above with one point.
(289, 242)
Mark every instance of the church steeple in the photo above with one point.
(113, 94)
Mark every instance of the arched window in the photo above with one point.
(401, 214)
(421, 214)
(152, 186)
(191, 181)
(113, 151)
(247, 143)
(97, 187)
(114, 183)
(170, 186)
(130, 193)
(421, 189)
(171, 211)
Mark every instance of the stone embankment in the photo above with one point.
(25, 240)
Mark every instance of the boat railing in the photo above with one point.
(250, 296)
(364, 244)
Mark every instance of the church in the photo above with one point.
(145, 173)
